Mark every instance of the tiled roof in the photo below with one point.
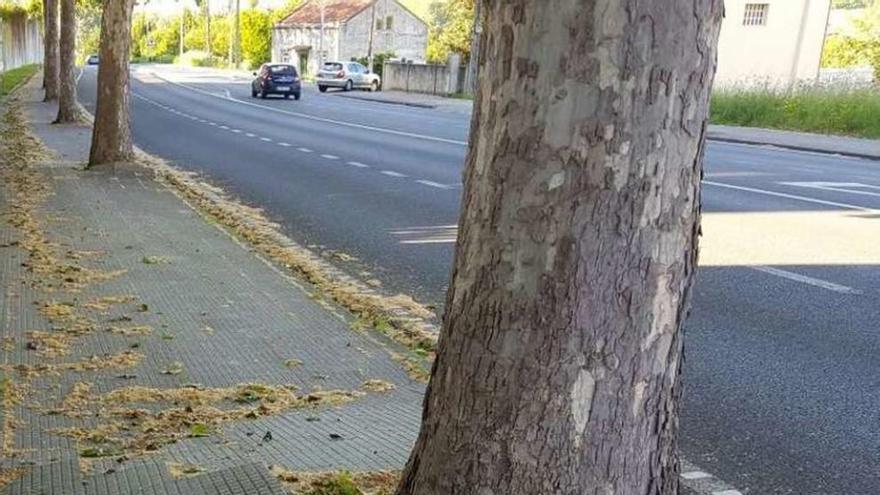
(334, 11)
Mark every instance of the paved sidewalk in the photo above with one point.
(145, 351)
(821, 143)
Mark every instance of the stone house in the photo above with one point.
(348, 27)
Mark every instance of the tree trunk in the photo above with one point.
(67, 107)
(50, 49)
(558, 364)
(208, 47)
(111, 138)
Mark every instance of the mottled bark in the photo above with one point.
(558, 363)
(50, 49)
(67, 106)
(111, 137)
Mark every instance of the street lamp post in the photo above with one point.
(321, 44)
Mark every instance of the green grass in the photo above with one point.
(11, 79)
(853, 112)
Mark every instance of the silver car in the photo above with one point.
(347, 76)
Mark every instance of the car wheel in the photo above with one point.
(286, 96)
(322, 89)
(348, 85)
(374, 86)
(296, 96)
(253, 93)
(263, 94)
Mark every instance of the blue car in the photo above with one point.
(276, 79)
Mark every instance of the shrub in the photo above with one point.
(198, 58)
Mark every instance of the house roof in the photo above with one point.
(334, 11)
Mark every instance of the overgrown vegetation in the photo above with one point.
(828, 111)
(11, 79)
(862, 47)
(450, 24)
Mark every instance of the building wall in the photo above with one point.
(407, 38)
(21, 43)
(289, 45)
(784, 51)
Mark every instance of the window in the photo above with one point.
(282, 69)
(389, 22)
(378, 24)
(756, 14)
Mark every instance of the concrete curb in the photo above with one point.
(794, 147)
(385, 101)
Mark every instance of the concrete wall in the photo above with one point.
(21, 43)
(407, 38)
(847, 78)
(422, 78)
(784, 51)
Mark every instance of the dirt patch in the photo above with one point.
(337, 483)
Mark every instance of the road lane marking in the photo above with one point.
(250, 134)
(788, 196)
(224, 127)
(330, 157)
(727, 492)
(433, 184)
(844, 187)
(695, 475)
(237, 131)
(815, 282)
(358, 164)
(286, 145)
(315, 118)
(304, 150)
(392, 173)
(265, 139)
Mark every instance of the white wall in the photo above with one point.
(288, 44)
(784, 51)
(21, 42)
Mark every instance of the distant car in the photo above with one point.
(348, 76)
(276, 79)
(92, 60)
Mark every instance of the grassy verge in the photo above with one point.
(845, 112)
(11, 79)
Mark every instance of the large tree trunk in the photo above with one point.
(67, 107)
(111, 138)
(558, 363)
(50, 49)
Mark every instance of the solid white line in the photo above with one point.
(319, 119)
(430, 241)
(815, 282)
(330, 157)
(286, 145)
(82, 71)
(304, 150)
(358, 164)
(265, 139)
(788, 196)
(843, 187)
(727, 492)
(392, 173)
(433, 184)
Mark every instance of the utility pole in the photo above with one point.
(370, 47)
(321, 45)
(182, 29)
(470, 77)
(231, 44)
(236, 49)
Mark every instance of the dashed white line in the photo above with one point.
(695, 475)
(433, 184)
(304, 150)
(237, 131)
(815, 282)
(358, 164)
(213, 124)
(250, 134)
(286, 145)
(727, 492)
(330, 157)
(265, 139)
(224, 127)
(392, 173)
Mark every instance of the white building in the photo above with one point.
(347, 32)
(771, 42)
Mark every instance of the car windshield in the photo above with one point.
(332, 66)
(282, 69)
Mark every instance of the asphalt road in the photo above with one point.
(782, 379)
